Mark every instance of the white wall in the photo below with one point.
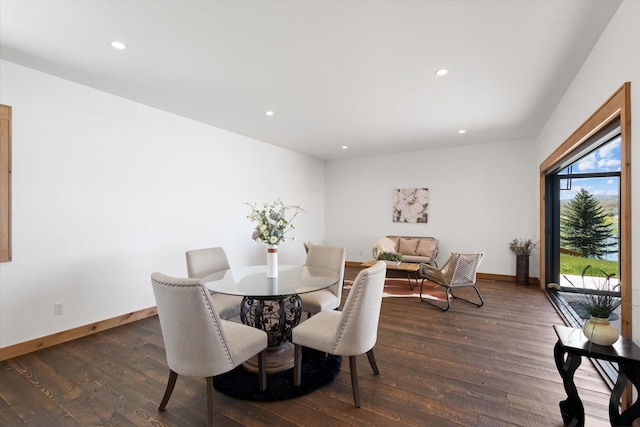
(106, 191)
(613, 61)
(480, 198)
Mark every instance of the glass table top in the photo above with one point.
(253, 281)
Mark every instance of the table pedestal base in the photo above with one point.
(277, 358)
(277, 316)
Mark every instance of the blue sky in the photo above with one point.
(604, 159)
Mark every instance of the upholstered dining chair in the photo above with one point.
(203, 262)
(458, 272)
(350, 332)
(331, 258)
(197, 342)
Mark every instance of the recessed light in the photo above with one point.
(461, 131)
(442, 72)
(269, 113)
(344, 147)
(118, 45)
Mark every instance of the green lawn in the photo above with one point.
(574, 265)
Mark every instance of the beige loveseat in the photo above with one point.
(413, 249)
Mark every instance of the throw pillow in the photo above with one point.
(408, 246)
(426, 247)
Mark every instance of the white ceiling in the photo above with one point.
(355, 73)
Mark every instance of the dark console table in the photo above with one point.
(573, 344)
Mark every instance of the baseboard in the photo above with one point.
(505, 278)
(79, 332)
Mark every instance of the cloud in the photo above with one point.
(609, 164)
(608, 149)
(587, 163)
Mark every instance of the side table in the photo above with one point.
(573, 344)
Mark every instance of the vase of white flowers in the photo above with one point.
(274, 221)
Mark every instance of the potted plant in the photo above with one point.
(600, 301)
(523, 250)
(393, 258)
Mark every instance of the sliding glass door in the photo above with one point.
(583, 216)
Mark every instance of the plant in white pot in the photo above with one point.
(599, 301)
(393, 258)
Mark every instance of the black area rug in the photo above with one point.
(317, 370)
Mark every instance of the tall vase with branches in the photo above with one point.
(523, 250)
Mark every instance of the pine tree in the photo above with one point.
(584, 228)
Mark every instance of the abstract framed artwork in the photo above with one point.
(410, 205)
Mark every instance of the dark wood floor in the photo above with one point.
(489, 366)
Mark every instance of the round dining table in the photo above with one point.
(272, 304)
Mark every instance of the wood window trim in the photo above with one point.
(617, 106)
(5, 183)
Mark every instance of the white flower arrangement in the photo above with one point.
(272, 221)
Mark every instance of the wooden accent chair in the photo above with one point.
(350, 332)
(197, 342)
(458, 272)
(204, 262)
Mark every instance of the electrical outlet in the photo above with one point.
(57, 309)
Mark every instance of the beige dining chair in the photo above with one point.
(204, 262)
(331, 258)
(197, 342)
(458, 272)
(350, 332)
